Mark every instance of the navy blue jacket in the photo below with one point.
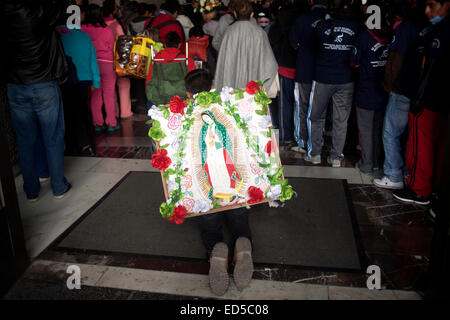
(334, 48)
(301, 37)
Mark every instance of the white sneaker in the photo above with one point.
(298, 149)
(335, 163)
(313, 159)
(386, 183)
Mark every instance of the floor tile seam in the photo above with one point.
(106, 269)
(156, 273)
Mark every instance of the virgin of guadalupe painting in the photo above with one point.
(216, 149)
(217, 152)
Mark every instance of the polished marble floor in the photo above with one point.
(395, 236)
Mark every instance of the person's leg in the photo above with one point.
(49, 110)
(82, 137)
(365, 119)
(377, 139)
(395, 122)
(41, 156)
(317, 110)
(286, 109)
(25, 123)
(211, 230)
(237, 223)
(342, 104)
(70, 105)
(424, 133)
(108, 88)
(442, 124)
(124, 95)
(304, 91)
(97, 103)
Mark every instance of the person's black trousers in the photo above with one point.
(76, 117)
(211, 227)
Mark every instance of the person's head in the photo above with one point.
(110, 8)
(210, 15)
(153, 34)
(94, 16)
(263, 18)
(437, 9)
(197, 81)
(320, 2)
(171, 6)
(196, 31)
(232, 5)
(172, 40)
(343, 10)
(243, 10)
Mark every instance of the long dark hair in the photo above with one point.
(94, 16)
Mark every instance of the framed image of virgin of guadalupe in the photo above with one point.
(217, 152)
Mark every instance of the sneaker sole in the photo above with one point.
(243, 270)
(387, 187)
(411, 201)
(61, 196)
(218, 274)
(312, 162)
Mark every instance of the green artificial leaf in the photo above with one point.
(156, 133)
(204, 99)
(239, 94)
(166, 113)
(166, 210)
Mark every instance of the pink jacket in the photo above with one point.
(103, 40)
(115, 27)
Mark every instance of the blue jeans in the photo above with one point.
(395, 123)
(38, 118)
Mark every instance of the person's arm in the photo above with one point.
(398, 49)
(224, 22)
(355, 58)
(294, 35)
(94, 65)
(393, 66)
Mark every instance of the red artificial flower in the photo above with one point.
(160, 160)
(252, 87)
(177, 105)
(179, 213)
(256, 195)
(268, 147)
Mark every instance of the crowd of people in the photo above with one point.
(320, 59)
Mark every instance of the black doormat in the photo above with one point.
(316, 230)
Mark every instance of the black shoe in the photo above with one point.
(33, 200)
(409, 196)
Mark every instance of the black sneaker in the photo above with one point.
(409, 196)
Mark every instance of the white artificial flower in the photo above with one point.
(171, 185)
(274, 192)
(201, 206)
(265, 122)
(155, 112)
